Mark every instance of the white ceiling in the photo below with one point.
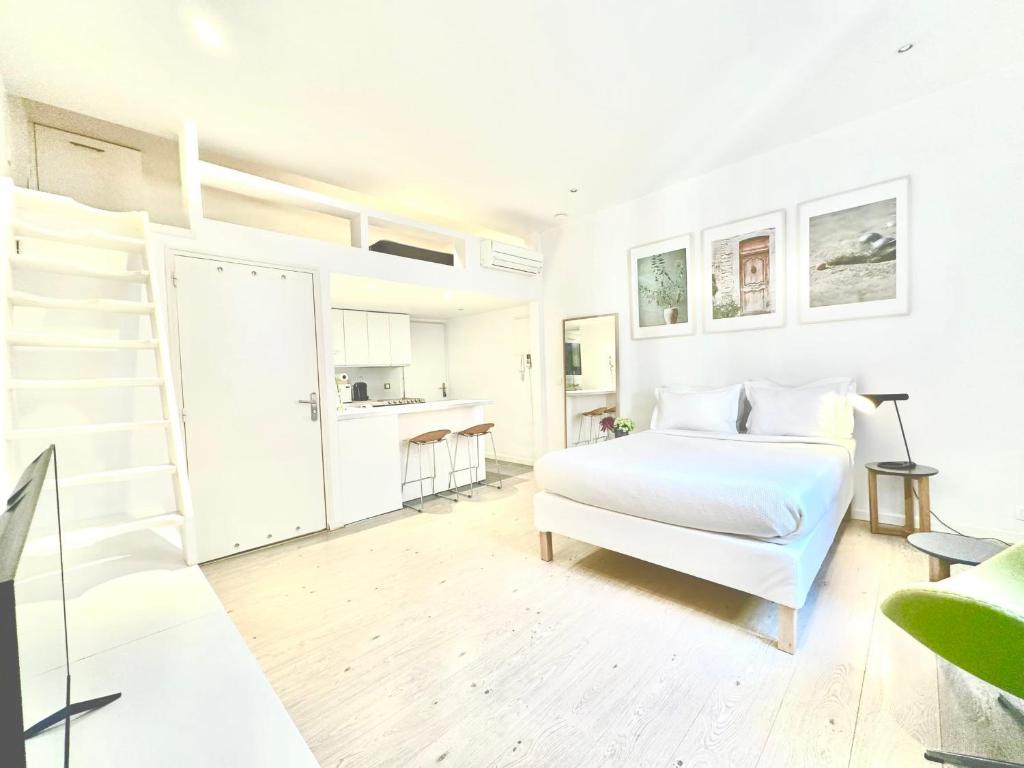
(488, 112)
(421, 301)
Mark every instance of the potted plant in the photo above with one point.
(620, 426)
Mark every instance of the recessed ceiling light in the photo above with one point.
(904, 48)
(561, 215)
(447, 295)
(207, 32)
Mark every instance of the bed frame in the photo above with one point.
(780, 572)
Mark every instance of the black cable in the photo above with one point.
(951, 529)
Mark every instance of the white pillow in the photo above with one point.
(712, 410)
(819, 409)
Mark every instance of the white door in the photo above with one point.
(248, 353)
(427, 375)
(93, 172)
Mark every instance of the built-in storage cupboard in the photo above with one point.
(370, 338)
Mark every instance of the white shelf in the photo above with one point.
(363, 219)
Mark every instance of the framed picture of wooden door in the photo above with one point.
(249, 370)
(745, 273)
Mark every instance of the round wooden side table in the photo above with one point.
(918, 475)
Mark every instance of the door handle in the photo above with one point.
(314, 406)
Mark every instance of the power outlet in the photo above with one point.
(1020, 512)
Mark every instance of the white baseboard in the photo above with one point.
(893, 518)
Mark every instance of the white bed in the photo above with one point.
(753, 512)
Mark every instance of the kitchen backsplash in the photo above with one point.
(376, 378)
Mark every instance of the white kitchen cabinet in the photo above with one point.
(338, 335)
(370, 338)
(357, 341)
(401, 340)
(378, 332)
(367, 468)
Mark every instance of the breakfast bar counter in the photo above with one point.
(371, 454)
(356, 411)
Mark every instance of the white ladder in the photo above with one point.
(67, 228)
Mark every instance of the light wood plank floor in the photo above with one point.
(441, 638)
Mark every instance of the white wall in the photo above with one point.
(382, 382)
(959, 353)
(484, 359)
(5, 130)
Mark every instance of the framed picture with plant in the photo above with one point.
(661, 275)
(745, 274)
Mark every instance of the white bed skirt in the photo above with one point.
(780, 572)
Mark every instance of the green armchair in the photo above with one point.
(974, 620)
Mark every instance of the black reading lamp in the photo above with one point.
(877, 400)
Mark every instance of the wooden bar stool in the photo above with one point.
(422, 441)
(473, 436)
(589, 419)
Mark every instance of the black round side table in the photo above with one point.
(918, 474)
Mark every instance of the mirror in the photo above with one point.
(590, 376)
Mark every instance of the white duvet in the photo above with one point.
(752, 485)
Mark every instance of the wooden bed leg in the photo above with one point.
(787, 629)
(545, 546)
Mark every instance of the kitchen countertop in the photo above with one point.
(584, 392)
(355, 412)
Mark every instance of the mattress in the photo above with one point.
(771, 488)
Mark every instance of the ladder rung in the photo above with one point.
(84, 383)
(117, 475)
(113, 525)
(85, 429)
(76, 342)
(78, 270)
(94, 238)
(22, 299)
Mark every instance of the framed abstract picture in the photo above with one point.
(744, 274)
(661, 276)
(855, 254)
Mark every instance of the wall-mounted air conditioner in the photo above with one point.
(510, 258)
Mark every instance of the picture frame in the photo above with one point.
(662, 278)
(744, 274)
(855, 253)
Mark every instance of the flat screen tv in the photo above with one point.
(35, 669)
